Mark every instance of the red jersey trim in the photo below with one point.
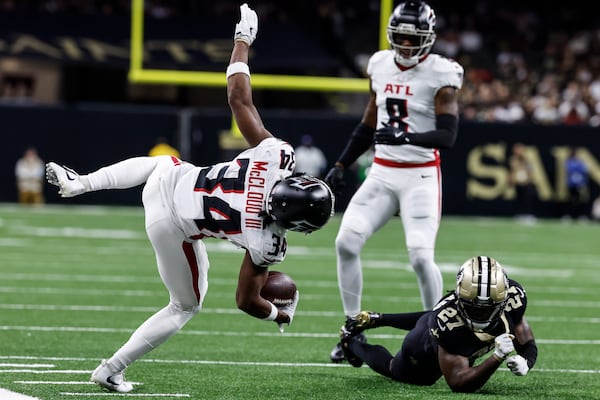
(394, 164)
(190, 255)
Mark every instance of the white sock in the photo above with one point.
(349, 270)
(122, 175)
(152, 333)
(429, 276)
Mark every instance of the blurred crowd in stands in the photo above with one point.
(525, 62)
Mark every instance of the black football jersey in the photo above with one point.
(448, 330)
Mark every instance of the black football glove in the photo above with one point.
(390, 135)
(335, 179)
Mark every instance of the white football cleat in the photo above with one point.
(115, 382)
(65, 178)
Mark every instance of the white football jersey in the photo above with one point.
(226, 200)
(405, 99)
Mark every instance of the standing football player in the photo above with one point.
(412, 113)
(252, 201)
(485, 312)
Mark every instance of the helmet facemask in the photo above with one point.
(480, 313)
(410, 32)
(481, 291)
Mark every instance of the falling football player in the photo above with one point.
(252, 201)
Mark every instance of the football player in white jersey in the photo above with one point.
(252, 201)
(412, 113)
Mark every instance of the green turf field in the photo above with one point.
(75, 281)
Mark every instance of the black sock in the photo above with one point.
(406, 321)
(375, 356)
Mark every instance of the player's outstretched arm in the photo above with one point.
(251, 280)
(239, 91)
(461, 377)
(360, 140)
(520, 363)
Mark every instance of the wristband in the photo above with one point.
(237, 68)
(528, 351)
(273, 315)
(497, 358)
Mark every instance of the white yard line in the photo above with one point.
(8, 395)
(55, 382)
(325, 314)
(215, 362)
(126, 394)
(593, 342)
(235, 333)
(43, 372)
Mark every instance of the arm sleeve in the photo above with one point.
(528, 351)
(360, 140)
(443, 137)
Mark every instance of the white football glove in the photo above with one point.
(290, 310)
(247, 28)
(517, 365)
(504, 345)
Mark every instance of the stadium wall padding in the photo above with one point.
(475, 172)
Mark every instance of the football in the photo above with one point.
(279, 289)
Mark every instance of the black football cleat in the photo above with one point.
(352, 328)
(337, 355)
(345, 338)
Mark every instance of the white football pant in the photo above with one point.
(416, 193)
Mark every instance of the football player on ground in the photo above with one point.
(412, 113)
(252, 201)
(485, 312)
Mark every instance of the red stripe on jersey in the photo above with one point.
(394, 164)
(439, 180)
(190, 255)
(211, 191)
(175, 160)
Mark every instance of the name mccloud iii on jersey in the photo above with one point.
(251, 201)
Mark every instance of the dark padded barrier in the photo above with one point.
(475, 171)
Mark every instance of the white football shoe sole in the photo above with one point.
(65, 178)
(109, 380)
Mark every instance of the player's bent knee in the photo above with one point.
(416, 240)
(349, 243)
(190, 309)
(420, 257)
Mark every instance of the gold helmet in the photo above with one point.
(481, 292)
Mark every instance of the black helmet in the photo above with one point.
(411, 21)
(301, 203)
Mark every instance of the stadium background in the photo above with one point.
(77, 280)
(64, 86)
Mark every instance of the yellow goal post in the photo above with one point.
(138, 74)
